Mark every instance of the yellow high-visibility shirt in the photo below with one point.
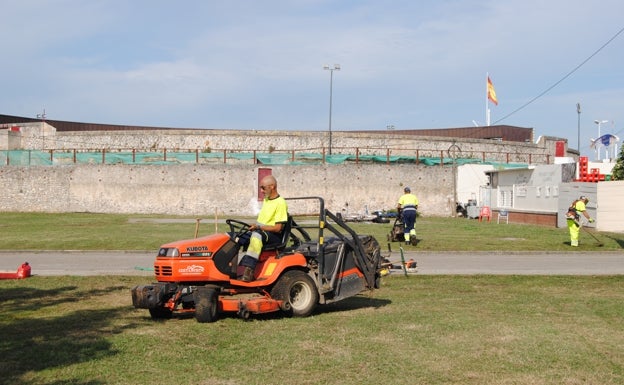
(273, 211)
(580, 206)
(408, 200)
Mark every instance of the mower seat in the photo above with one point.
(285, 235)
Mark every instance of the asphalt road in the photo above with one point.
(51, 263)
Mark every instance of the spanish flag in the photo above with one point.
(491, 94)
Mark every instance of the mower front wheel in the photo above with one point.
(298, 291)
(206, 306)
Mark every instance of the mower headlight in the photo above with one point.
(168, 252)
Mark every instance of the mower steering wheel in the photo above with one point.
(237, 227)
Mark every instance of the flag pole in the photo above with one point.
(487, 106)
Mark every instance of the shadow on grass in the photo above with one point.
(34, 338)
(345, 305)
(27, 298)
(619, 241)
(351, 303)
(75, 382)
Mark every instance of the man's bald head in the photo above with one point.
(269, 179)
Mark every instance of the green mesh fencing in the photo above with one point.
(61, 157)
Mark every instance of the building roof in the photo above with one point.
(62, 125)
(500, 132)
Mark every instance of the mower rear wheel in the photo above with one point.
(206, 307)
(298, 291)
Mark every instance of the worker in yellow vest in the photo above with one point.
(407, 206)
(573, 217)
(268, 228)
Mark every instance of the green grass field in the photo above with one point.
(414, 330)
(76, 231)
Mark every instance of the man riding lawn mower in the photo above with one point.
(202, 276)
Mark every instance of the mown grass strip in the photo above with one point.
(83, 231)
(416, 330)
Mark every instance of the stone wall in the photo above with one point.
(43, 136)
(231, 189)
(204, 190)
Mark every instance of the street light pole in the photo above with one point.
(578, 135)
(42, 116)
(331, 70)
(599, 122)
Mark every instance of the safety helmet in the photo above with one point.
(584, 198)
(407, 189)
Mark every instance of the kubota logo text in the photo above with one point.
(191, 269)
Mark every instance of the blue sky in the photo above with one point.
(259, 64)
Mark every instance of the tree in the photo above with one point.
(618, 170)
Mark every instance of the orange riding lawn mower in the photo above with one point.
(201, 276)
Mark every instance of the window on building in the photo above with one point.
(505, 196)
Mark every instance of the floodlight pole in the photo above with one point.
(578, 132)
(331, 70)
